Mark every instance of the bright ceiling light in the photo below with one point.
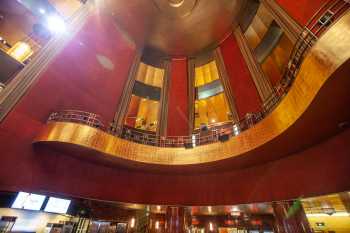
(56, 24)
(42, 11)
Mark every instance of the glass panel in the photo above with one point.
(143, 110)
(211, 111)
(210, 105)
(275, 64)
(142, 114)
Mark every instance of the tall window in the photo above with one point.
(210, 103)
(143, 109)
(270, 44)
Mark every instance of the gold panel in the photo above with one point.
(330, 52)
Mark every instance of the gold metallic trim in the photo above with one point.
(163, 111)
(330, 52)
(124, 102)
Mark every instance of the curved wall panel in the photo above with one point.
(244, 91)
(322, 168)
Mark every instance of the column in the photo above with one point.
(191, 93)
(287, 23)
(175, 220)
(295, 223)
(123, 105)
(13, 92)
(262, 83)
(164, 97)
(177, 121)
(226, 84)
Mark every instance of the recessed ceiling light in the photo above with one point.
(42, 11)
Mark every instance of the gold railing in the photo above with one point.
(222, 132)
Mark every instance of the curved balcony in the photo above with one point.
(284, 126)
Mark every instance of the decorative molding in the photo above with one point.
(226, 84)
(287, 23)
(123, 105)
(164, 101)
(18, 87)
(191, 63)
(262, 83)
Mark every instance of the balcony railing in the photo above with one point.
(204, 136)
(328, 14)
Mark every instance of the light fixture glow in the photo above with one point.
(158, 207)
(132, 223)
(236, 130)
(194, 140)
(235, 213)
(42, 11)
(56, 24)
(211, 226)
(20, 51)
(209, 209)
(157, 225)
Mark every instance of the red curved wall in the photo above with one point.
(178, 99)
(302, 10)
(244, 91)
(76, 80)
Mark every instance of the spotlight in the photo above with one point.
(56, 24)
(42, 11)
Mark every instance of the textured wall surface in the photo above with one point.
(301, 10)
(178, 99)
(77, 79)
(244, 91)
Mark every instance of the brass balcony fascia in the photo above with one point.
(330, 52)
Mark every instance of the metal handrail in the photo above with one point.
(199, 137)
(306, 40)
(76, 116)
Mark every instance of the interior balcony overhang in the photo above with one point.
(316, 104)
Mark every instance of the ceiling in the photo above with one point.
(188, 29)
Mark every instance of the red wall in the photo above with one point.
(75, 80)
(178, 99)
(244, 91)
(301, 10)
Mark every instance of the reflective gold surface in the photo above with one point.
(330, 52)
